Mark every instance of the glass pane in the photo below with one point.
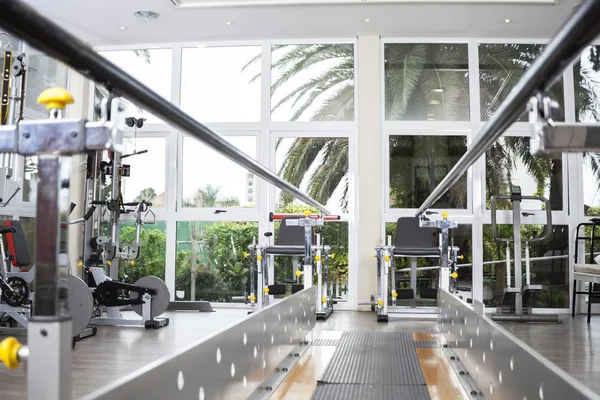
(318, 166)
(586, 74)
(419, 163)
(509, 162)
(221, 84)
(312, 82)
(549, 260)
(153, 250)
(30, 171)
(210, 263)
(28, 225)
(147, 180)
(152, 67)
(426, 82)
(501, 66)
(43, 72)
(591, 184)
(210, 180)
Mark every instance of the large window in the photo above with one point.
(501, 66)
(313, 82)
(586, 74)
(549, 265)
(318, 166)
(152, 67)
(43, 72)
(147, 180)
(509, 162)
(426, 82)
(419, 163)
(212, 181)
(221, 84)
(153, 250)
(210, 262)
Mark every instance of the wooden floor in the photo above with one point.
(442, 382)
(573, 345)
(117, 351)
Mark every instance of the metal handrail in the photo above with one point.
(23, 21)
(578, 31)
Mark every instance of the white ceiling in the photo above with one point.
(98, 21)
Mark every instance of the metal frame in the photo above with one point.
(498, 364)
(236, 362)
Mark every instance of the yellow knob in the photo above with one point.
(372, 256)
(109, 263)
(55, 98)
(80, 264)
(317, 258)
(394, 294)
(266, 290)
(298, 272)
(387, 258)
(9, 352)
(461, 257)
(307, 213)
(454, 275)
(444, 215)
(380, 303)
(252, 298)
(259, 257)
(332, 256)
(324, 300)
(245, 255)
(132, 263)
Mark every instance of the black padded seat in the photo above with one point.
(414, 241)
(290, 235)
(285, 250)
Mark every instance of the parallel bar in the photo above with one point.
(23, 21)
(576, 33)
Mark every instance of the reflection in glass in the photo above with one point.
(586, 75)
(28, 225)
(549, 265)
(30, 171)
(313, 82)
(218, 84)
(509, 162)
(501, 66)
(147, 180)
(426, 82)
(210, 262)
(43, 72)
(318, 166)
(210, 180)
(419, 163)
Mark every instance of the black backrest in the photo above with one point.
(410, 235)
(17, 245)
(289, 235)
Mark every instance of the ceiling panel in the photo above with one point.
(237, 3)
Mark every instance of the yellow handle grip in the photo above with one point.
(9, 352)
(55, 98)
(298, 272)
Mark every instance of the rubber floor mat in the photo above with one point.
(426, 344)
(343, 391)
(325, 342)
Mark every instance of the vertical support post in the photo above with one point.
(527, 265)
(378, 255)
(252, 283)
(413, 281)
(508, 266)
(385, 280)
(115, 217)
(326, 289)
(49, 333)
(260, 284)
(308, 265)
(319, 264)
(518, 259)
(444, 269)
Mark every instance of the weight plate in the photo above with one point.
(19, 294)
(160, 302)
(81, 304)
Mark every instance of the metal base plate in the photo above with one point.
(160, 302)
(81, 304)
(323, 315)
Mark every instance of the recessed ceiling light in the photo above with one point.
(367, 20)
(146, 15)
(228, 23)
(122, 28)
(438, 90)
(507, 21)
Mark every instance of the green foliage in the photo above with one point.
(151, 260)
(208, 196)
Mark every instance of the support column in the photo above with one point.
(79, 87)
(370, 178)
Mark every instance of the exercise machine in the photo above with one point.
(415, 237)
(298, 236)
(518, 299)
(149, 296)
